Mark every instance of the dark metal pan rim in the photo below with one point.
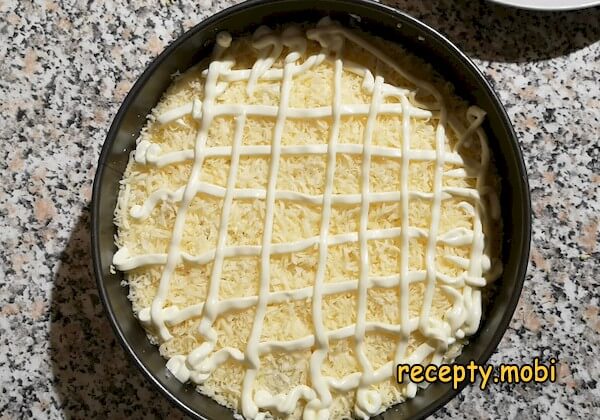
(518, 207)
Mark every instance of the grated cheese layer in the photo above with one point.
(304, 214)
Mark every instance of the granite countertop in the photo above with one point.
(64, 71)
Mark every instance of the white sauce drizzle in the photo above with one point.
(364, 404)
(462, 319)
(346, 110)
(153, 158)
(318, 408)
(124, 261)
(143, 211)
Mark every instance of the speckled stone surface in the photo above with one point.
(64, 69)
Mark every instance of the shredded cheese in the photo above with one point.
(376, 211)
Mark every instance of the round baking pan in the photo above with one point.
(390, 24)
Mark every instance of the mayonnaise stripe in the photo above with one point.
(168, 158)
(347, 110)
(321, 337)
(124, 261)
(404, 240)
(425, 323)
(143, 211)
(359, 333)
(249, 407)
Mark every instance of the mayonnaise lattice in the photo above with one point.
(461, 320)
